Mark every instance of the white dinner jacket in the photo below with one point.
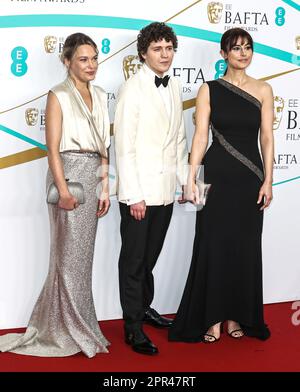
(151, 149)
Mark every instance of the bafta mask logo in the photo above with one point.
(131, 64)
(31, 116)
(50, 43)
(278, 110)
(297, 39)
(214, 12)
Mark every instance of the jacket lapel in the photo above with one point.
(155, 99)
(173, 121)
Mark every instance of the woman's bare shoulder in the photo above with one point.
(260, 85)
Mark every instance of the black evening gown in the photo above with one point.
(225, 277)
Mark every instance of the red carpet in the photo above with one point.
(281, 353)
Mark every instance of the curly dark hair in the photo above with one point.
(155, 31)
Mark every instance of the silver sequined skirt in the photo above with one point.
(64, 321)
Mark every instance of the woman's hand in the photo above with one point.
(266, 194)
(67, 202)
(191, 192)
(103, 204)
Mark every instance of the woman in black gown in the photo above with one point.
(225, 277)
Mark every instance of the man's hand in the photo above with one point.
(138, 210)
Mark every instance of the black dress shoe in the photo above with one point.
(140, 343)
(156, 320)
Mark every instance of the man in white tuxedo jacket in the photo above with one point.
(151, 155)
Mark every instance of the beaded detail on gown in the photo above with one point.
(225, 277)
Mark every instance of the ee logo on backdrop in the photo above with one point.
(280, 20)
(19, 56)
(220, 68)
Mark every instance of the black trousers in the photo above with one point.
(142, 242)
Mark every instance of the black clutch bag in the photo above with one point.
(75, 188)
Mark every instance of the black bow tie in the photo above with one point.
(164, 81)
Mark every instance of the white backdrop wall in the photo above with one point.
(32, 34)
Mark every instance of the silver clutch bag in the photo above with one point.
(75, 188)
